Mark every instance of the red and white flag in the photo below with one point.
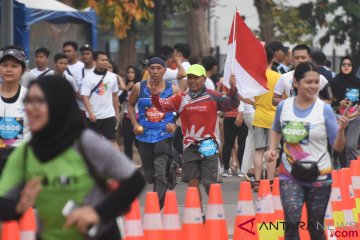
(250, 62)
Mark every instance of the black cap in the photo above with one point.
(276, 45)
(15, 53)
(86, 47)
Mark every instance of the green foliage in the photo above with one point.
(293, 25)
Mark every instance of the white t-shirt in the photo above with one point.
(171, 74)
(14, 126)
(84, 72)
(71, 81)
(209, 84)
(284, 84)
(75, 70)
(101, 98)
(36, 72)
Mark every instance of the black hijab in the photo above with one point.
(343, 81)
(65, 121)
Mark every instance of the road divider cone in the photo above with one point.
(171, 219)
(153, 227)
(278, 209)
(348, 200)
(355, 178)
(265, 215)
(336, 202)
(329, 225)
(215, 225)
(245, 227)
(132, 223)
(27, 225)
(193, 227)
(10, 231)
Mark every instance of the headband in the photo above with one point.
(156, 60)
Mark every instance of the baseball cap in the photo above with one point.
(197, 70)
(14, 53)
(86, 47)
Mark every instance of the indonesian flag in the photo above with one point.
(250, 62)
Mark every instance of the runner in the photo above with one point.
(13, 122)
(201, 141)
(305, 122)
(154, 129)
(65, 165)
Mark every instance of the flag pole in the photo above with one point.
(233, 40)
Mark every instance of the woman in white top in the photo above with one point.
(13, 122)
(306, 123)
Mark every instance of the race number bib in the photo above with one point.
(208, 147)
(154, 115)
(296, 132)
(11, 129)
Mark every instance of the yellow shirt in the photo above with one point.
(264, 110)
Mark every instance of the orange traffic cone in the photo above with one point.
(336, 202)
(245, 214)
(27, 225)
(193, 227)
(10, 231)
(355, 178)
(349, 204)
(347, 194)
(153, 228)
(329, 224)
(133, 226)
(171, 219)
(215, 225)
(265, 218)
(278, 209)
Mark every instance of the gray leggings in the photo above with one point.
(293, 195)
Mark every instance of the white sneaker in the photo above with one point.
(227, 173)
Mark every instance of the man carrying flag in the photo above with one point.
(201, 141)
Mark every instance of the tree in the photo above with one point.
(264, 9)
(340, 19)
(121, 16)
(196, 23)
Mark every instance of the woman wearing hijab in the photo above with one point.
(346, 88)
(62, 164)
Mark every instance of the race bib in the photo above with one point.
(208, 147)
(11, 129)
(154, 115)
(296, 132)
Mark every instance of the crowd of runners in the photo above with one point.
(183, 121)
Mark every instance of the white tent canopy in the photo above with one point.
(51, 5)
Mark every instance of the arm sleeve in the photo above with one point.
(73, 83)
(85, 88)
(279, 87)
(226, 103)
(109, 162)
(277, 124)
(170, 104)
(330, 123)
(170, 74)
